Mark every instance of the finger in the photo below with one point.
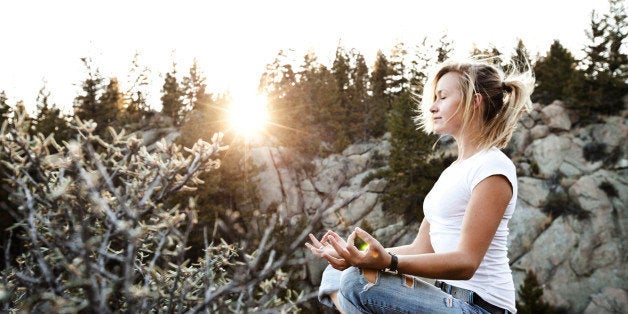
(311, 247)
(314, 240)
(338, 238)
(351, 239)
(341, 250)
(325, 239)
(364, 235)
(375, 247)
(314, 250)
(330, 234)
(351, 245)
(335, 262)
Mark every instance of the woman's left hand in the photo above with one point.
(374, 257)
(323, 249)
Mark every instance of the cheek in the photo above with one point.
(451, 109)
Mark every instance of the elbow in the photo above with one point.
(468, 269)
(467, 273)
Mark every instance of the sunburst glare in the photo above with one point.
(248, 115)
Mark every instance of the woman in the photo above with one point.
(462, 239)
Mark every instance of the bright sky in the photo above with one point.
(234, 40)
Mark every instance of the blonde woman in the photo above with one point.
(462, 239)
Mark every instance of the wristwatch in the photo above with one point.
(393, 263)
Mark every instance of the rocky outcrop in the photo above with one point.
(576, 249)
(578, 253)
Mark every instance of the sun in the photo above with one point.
(248, 115)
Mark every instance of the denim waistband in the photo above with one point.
(470, 297)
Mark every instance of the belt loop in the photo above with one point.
(470, 301)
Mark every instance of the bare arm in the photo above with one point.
(421, 243)
(485, 210)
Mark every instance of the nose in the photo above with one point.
(433, 108)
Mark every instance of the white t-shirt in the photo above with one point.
(444, 209)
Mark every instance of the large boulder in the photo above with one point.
(556, 117)
(549, 153)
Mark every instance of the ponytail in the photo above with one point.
(517, 88)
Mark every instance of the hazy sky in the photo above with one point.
(234, 40)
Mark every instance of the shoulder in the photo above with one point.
(496, 158)
(494, 162)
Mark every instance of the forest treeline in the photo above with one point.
(315, 110)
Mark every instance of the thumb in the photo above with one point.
(365, 236)
(374, 246)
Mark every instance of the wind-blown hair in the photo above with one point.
(505, 97)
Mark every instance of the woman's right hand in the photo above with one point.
(323, 249)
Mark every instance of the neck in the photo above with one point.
(467, 141)
(466, 148)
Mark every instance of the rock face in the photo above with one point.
(569, 227)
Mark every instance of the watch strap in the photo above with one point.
(394, 262)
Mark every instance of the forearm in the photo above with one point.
(420, 245)
(454, 265)
(408, 249)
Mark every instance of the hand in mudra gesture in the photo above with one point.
(374, 257)
(323, 249)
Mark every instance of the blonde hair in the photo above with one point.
(505, 97)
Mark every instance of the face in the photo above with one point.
(445, 115)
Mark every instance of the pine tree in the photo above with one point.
(342, 72)
(413, 171)
(380, 101)
(87, 105)
(531, 297)
(113, 98)
(359, 109)
(322, 113)
(135, 111)
(278, 82)
(49, 118)
(520, 60)
(102, 105)
(398, 76)
(557, 77)
(595, 51)
(207, 119)
(136, 108)
(444, 48)
(606, 65)
(172, 97)
(617, 32)
(194, 89)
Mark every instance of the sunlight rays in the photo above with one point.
(248, 115)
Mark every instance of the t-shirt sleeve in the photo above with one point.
(495, 164)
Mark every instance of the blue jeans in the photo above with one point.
(389, 293)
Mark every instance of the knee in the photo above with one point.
(349, 281)
(355, 280)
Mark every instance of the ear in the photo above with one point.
(477, 100)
